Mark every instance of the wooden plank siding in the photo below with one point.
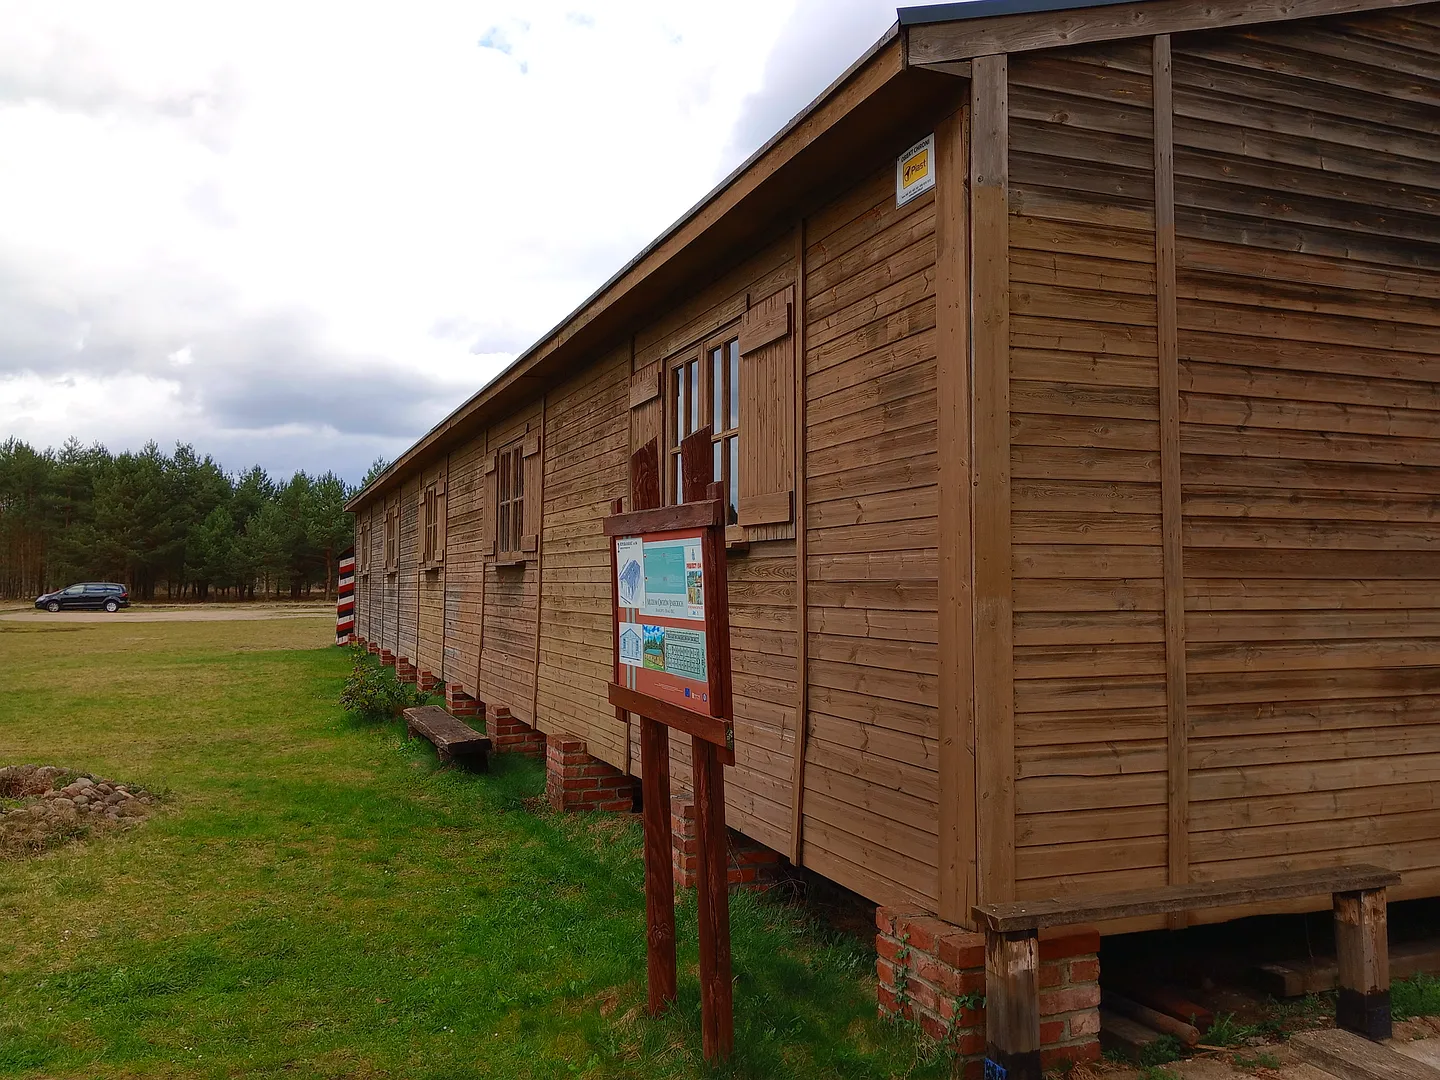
(508, 648)
(466, 544)
(430, 651)
(1307, 189)
(1085, 501)
(586, 464)
(871, 772)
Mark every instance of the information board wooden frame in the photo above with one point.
(711, 729)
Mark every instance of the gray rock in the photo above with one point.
(63, 802)
(82, 800)
(84, 782)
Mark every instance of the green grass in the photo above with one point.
(319, 899)
(1419, 996)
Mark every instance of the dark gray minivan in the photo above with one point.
(88, 595)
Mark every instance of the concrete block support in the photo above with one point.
(511, 736)
(933, 972)
(751, 865)
(576, 781)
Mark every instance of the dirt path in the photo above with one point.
(197, 613)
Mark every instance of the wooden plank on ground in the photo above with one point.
(1350, 1057)
(1296, 978)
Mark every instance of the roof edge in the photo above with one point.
(547, 342)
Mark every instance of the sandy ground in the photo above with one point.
(177, 613)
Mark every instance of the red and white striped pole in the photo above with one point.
(345, 599)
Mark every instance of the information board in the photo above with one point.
(661, 594)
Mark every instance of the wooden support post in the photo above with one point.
(717, 1011)
(1012, 1002)
(659, 866)
(1363, 952)
(992, 552)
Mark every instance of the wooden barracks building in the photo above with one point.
(1074, 372)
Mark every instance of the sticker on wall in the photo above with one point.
(915, 171)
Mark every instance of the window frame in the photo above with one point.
(432, 527)
(392, 539)
(697, 363)
(513, 527)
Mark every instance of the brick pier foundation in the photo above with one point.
(576, 781)
(387, 657)
(933, 972)
(431, 684)
(404, 669)
(511, 736)
(460, 704)
(751, 865)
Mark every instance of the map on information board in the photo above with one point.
(661, 640)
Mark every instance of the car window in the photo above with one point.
(74, 590)
(95, 590)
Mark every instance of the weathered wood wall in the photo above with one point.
(465, 547)
(1085, 492)
(587, 455)
(430, 650)
(508, 648)
(1307, 181)
(869, 804)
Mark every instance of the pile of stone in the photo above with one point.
(45, 805)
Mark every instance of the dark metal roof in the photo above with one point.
(984, 9)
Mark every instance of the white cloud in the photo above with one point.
(308, 231)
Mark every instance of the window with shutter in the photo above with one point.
(432, 525)
(509, 503)
(704, 389)
(392, 539)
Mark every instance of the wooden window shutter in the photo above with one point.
(492, 497)
(530, 540)
(441, 513)
(767, 415)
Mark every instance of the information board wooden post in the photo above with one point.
(654, 785)
(672, 668)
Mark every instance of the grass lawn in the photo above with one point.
(318, 899)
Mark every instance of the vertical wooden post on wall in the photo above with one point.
(539, 496)
(993, 625)
(655, 790)
(957, 839)
(1171, 538)
(802, 603)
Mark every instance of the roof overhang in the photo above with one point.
(865, 111)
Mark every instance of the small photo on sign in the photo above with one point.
(653, 649)
(915, 171)
(632, 644)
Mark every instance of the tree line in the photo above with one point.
(175, 521)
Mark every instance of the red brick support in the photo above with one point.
(751, 865)
(511, 736)
(387, 657)
(372, 648)
(429, 683)
(460, 704)
(404, 669)
(933, 972)
(576, 781)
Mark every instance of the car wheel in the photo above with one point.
(53, 606)
(112, 606)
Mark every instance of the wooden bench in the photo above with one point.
(455, 740)
(1012, 949)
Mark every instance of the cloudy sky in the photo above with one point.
(299, 234)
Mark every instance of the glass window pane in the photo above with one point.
(733, 390)
(677, 399)
(519, 487)
(734, 442)
(504, 480)
(694, 380)
(503, 533)
(717, 390)
(719, 461)
(677, 493)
